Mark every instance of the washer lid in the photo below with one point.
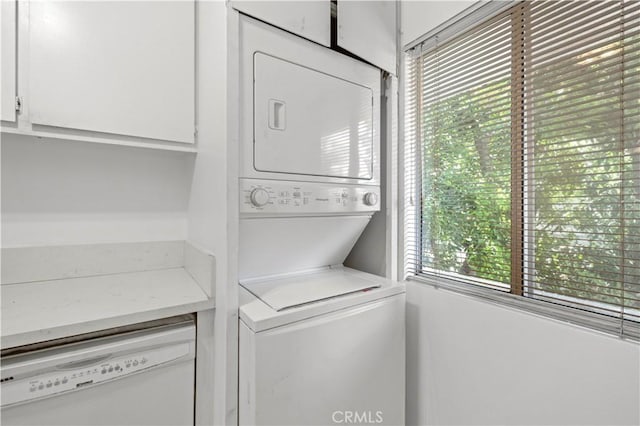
(283, 293)
(259, 316)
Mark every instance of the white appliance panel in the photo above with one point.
(308, 122)
(143, 378)
(270, 246)
(142, 401)
(312, 114)
(259, 316)
(269, 197)
(350, 361)
(289, 292)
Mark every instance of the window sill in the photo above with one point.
(612, 326)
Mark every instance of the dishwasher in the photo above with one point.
(144, 377)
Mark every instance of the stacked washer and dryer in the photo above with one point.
(319, 343)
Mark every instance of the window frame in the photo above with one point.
(410, 209)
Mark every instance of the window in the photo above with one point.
(522, 154)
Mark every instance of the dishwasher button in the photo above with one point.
(135, 363)
(104, 371)
(41, 386)
(56, 383)
(49, 384)
(64, 380)
(32, 389)
(110, 369)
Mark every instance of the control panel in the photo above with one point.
(66, 378)
(288, 197)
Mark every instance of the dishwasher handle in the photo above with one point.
(83, 363)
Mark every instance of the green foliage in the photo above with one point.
(466, 184)
(587, 182)
(583, 181)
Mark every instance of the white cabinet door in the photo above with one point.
(368, 29)
(124, 68)
(310, 19)
(8, 19)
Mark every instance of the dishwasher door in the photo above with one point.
(141, 378)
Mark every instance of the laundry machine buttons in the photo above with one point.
(370, 199)
(259, 197)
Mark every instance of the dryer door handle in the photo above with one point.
(277, 114)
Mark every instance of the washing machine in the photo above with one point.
(319, 343)
(321, 348)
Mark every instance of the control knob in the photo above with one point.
(370, 199)
(259, 197)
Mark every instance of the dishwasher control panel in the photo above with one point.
(79, 374)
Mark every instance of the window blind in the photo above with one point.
(522, 155)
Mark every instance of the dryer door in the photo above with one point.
(310, 123)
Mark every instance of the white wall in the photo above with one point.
(370, 252)
(213, 209)
(421, 16)
(470, 362)
(57, 192)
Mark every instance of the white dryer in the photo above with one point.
(306, 112)
(319, 343)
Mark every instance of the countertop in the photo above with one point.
(42, 310)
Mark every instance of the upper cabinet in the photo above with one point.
(368, 30)
(309, 19)
(118, 68)
(365, 28)
(8, 72)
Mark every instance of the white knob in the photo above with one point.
(370, 198)
(259, 197)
